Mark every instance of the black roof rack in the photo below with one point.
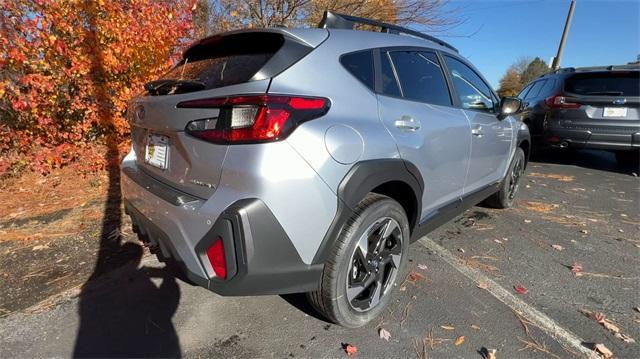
(332, 20)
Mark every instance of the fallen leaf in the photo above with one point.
(527, 221)
(625, 338)
(603, 351)
(384, 334)
(351, 350)
(482, 285)
(584, 231)
(557, 247)
(422, 266)
(475, 327)
(447, 327)
(40, 247)
(403, 288)
(414, 277)
(461, 250)
(488, 353)
(520, 289)
(459, 340)
(637, 309)
(576, 268)
(497, 241)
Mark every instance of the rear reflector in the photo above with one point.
(254, 119)
(215, 253)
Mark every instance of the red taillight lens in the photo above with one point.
(251, 119)
(558, 101)
(215, 253)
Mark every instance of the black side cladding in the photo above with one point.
(363, 177)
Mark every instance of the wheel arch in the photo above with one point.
(395, 178)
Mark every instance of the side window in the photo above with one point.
(389, 82)
(535, 90)
(360, 64)
(523, 93)
(473, 92)
(421, 77)
(548, 87)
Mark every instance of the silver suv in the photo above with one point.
(273, 161)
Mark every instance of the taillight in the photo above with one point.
(559, 101)
(252, 119)
(215, 253)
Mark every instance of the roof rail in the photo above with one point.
(333, 20)
(594, 68)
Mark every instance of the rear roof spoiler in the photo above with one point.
(333, 20)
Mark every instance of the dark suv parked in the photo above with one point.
(586, 108)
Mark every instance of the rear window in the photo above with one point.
(222, 61)
(604, 84)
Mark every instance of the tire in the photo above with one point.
(374, 217)
(505, 197)
(628, 158)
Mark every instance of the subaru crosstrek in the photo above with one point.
(273, 161)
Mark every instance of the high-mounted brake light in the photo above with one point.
(559, 101)
(253, 119)
(215, 253)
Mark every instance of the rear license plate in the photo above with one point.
(157, 151)
(615, 112)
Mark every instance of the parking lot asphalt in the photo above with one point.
(575, 210)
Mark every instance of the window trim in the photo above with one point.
(378, 52)
(494, 98)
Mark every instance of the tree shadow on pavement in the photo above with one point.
(133, 317)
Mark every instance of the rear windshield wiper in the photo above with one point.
(170, 86)
(606, 93)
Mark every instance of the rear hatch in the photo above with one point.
(216, 67)
(606, 100)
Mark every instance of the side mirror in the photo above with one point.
(509, 106)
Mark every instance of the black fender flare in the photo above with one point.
(361, 179)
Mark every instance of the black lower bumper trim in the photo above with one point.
(262, 259)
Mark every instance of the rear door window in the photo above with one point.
(360, 65)
(421, 77)
(547, 89)
(219, 62)
(625, 83)
(473, 92)
(535, 90)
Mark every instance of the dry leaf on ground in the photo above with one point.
(422, 266)
(603, 351)
(459, 340)
(414, 277)
(447, 327)
(520, 289)
(557, 247)
(625, 338)
(475, 327)
(384, 334)
(576, 268)
(488, 353)
(482, 285)
(351, 350)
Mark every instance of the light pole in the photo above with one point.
(563, 40)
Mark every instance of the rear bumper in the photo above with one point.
(260, 257)
(612, 138)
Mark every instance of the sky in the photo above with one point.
(496, 33)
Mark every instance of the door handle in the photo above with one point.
(407, 123)
(477, 131)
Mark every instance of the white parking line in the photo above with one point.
(537, 318)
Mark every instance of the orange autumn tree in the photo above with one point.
(67, 69)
